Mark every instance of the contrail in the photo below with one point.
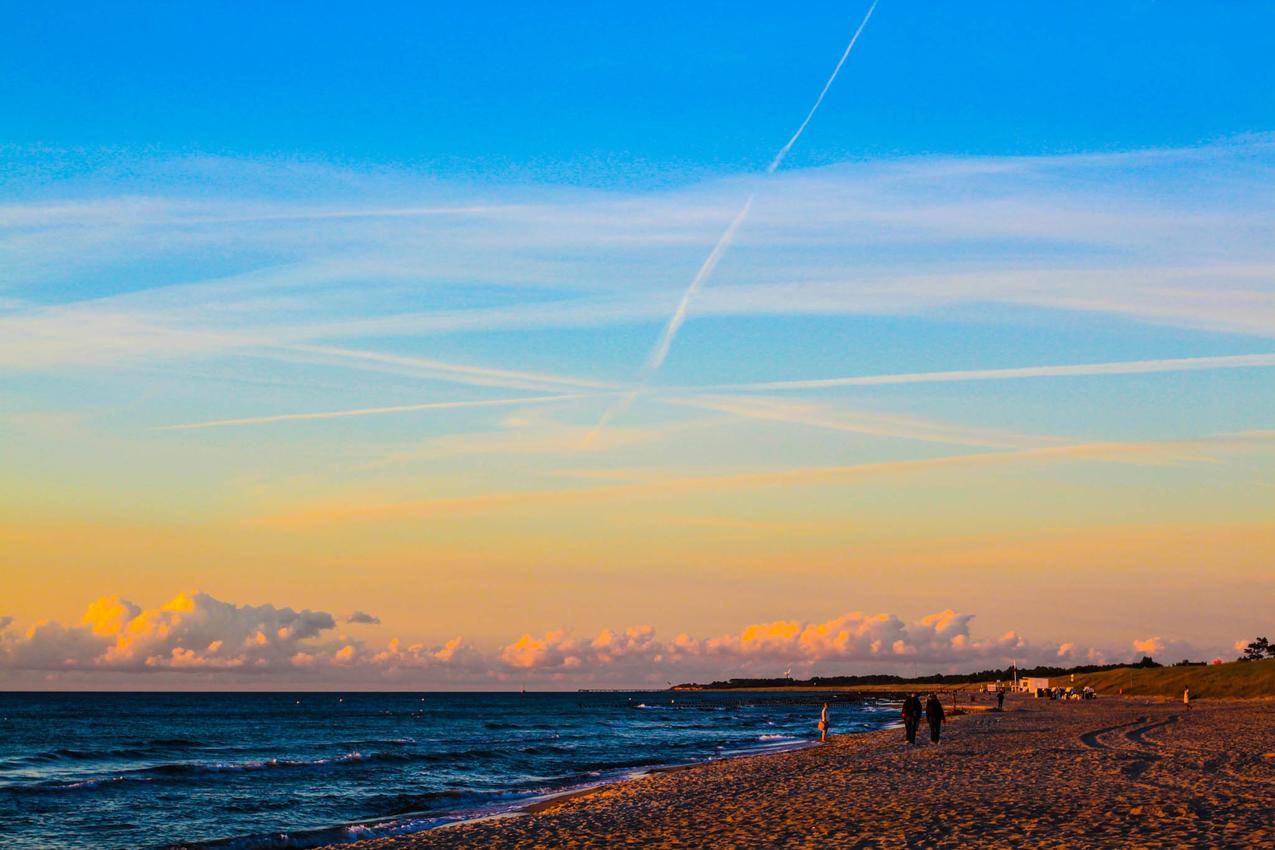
(454, 372)
(861, 421)
(783, 152)
(369, 411)
(1119, 367)
(660, 353)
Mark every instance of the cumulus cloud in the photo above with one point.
(850, 641)
(555, 651)
(197, 633)
(936, 639)
(363, 618)
(191, 630)
(1165, 649)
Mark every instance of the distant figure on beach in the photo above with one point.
(823, 724)
(934, 714)
(1000, 700)
(1186, 697)
(911, 716)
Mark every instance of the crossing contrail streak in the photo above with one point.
(369, 411)
(1119, 367)
(660, 353)
(783, 152)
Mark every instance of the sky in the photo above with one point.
(425, 346)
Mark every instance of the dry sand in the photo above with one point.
(1107, 773)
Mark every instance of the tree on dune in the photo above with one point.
(1257, 649)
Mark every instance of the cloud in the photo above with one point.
(1166, 650)
(369, 411)
(556, 651)
(1149, 645)
(5, 622)
(192, 630)
(1126, 367)
(1148, 453)
(1168, 236)
(944, 637)
(439, 370)
(837, 418)
(197, 634)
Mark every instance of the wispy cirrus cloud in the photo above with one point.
(856, 421)
(1145, 453)
(1124, 367)
(368, 411)
(1168, 236)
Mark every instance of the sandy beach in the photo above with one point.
(1108, 773)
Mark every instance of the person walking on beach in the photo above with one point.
(911, 717)
(1000, 699)
(1186, 697)
(934, 714)
(823, 724)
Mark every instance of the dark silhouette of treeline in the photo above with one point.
(1004, 674)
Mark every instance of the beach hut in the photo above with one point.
(1033, 684)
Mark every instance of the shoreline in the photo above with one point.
(553, 800)
(330, 839)
(1111, 772)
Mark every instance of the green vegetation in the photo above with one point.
(888, 682)
(1237, 679)
(1241, 678)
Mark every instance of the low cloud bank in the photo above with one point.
(195, 633)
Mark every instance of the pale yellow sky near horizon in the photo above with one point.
(1032, 389)
(1110, 545)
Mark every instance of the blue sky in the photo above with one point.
(339, 307)
(602, 95)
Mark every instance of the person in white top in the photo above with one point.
(823, 724)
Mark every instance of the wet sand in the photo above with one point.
(1107, 773)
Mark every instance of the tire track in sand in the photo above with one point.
(1092, 739)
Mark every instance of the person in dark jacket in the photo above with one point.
(911, 716)
(934, 714)
(1000, 700)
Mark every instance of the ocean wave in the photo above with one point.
(174, 742)
(134, 749)
(57, 786)
(259, 764)
(194, 770)
(377, 742)
(150, 773)
(236, 773)
(547, 749)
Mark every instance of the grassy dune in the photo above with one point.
(1250, 679)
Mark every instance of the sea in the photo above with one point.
(276, 770)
